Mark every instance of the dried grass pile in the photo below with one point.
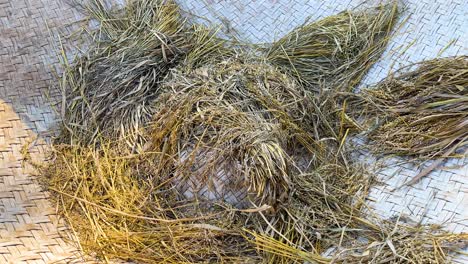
(401, 240)
(219, 149)
(119, 215)
(335, 52)
(236, 161)
(422, 109)
(118, 209)
(109, 90)
(243, 127)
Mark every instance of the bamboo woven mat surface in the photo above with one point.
(29, 229)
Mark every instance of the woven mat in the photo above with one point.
(29, 229)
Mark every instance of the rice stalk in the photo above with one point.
(422, 112)
(110, 89)
(402, 241)
(230, 159)
(119, 215)
(336, 51)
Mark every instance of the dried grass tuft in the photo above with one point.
(401, 240)
(335, 52)
(424, 110)
(178, 148)
(120, 211)
(110, 89)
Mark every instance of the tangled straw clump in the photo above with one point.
(425, 110)
(110, 89)
(400, 240)
(119, 210)
(335, 51)
(220, 152)
(177, 148)
(241, 124)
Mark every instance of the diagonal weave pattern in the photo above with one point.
(29, 230)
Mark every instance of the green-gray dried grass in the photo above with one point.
(335, 52)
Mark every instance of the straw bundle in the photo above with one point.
(120, 211)
(255, 87)
(337, 51)
(236, 120)
(425, 110)
(219, 152)
(109, 90)
(230, 159)
(400, 240)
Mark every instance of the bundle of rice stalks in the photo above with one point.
(109, 90)
(323, 210)
(119, 212)
(305, 125)
(218, 152)
(400, 240)
(240, 124)
(425, 110)
(259, 88)
(239, 162)
(337, 51)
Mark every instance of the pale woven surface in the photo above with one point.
(28, 226)
(29, 231)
